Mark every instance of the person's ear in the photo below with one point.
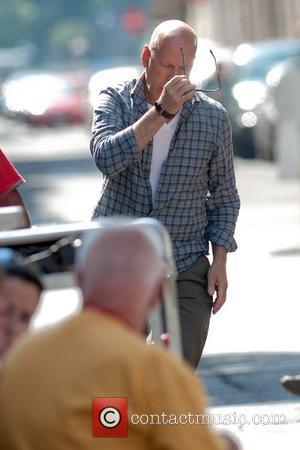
(145, 56)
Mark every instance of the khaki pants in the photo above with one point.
(194, 308)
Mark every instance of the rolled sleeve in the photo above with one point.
(223, 201)
(113, 145)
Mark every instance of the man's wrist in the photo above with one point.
(162, 111)
(219, 254)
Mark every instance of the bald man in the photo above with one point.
(48, 381)
(165, 151)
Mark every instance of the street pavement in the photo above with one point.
(254, 340)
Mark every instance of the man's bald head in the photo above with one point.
(120, 270)
(163, 59)
(177, 31)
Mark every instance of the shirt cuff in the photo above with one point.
(129, 144)
(224, 238)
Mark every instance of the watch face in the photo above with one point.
(159, 107)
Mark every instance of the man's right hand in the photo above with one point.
(175, 92)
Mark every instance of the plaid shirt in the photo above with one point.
(196, 198)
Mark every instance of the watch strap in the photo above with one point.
(162, 111)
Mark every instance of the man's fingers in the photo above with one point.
(211, 282)
(179, 85)
(176, 79)
(188, 95)
(220, 300)
(211, 289)
(217, 305)
(183, 88)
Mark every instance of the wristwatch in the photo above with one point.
(159, 107)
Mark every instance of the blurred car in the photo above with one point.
(204, 67)
(244, 86)
(110, 77)
(269, 112)
(46, 98)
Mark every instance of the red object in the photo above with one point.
(110, 416)
(134, 20)
(65, 99)
(165, 337)
(9, 176)
(69, 109)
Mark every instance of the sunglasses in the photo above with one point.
(216, 89)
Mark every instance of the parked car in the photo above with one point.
(110, 77)
(269, 113)
(244, 86)
(46, 98)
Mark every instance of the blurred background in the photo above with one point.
(56, 56)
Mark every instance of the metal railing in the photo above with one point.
(50, 251)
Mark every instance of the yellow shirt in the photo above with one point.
(48, 380)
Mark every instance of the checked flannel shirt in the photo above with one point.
(196, 198)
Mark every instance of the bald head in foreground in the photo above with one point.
(121, 272)
(50, 381)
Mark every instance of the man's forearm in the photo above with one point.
(146, 127)
(219, 254)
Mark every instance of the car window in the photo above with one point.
(257, 68)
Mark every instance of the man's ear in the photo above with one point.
(145, 56)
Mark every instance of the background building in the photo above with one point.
(234, 21)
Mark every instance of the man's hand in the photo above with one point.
(175, 92)
(217, 278)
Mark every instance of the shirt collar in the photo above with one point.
(138, 94)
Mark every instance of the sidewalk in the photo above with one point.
(263, 308)
(279, 427)
(255, 339)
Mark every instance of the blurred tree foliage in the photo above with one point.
(57, 28)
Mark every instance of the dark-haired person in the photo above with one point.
(10, 180)
(20, 292)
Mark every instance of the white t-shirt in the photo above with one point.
(161, 145)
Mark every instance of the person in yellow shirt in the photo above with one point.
(49, 381)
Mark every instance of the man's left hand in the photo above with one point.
(217, 283)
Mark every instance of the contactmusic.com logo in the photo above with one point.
(110, 416)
